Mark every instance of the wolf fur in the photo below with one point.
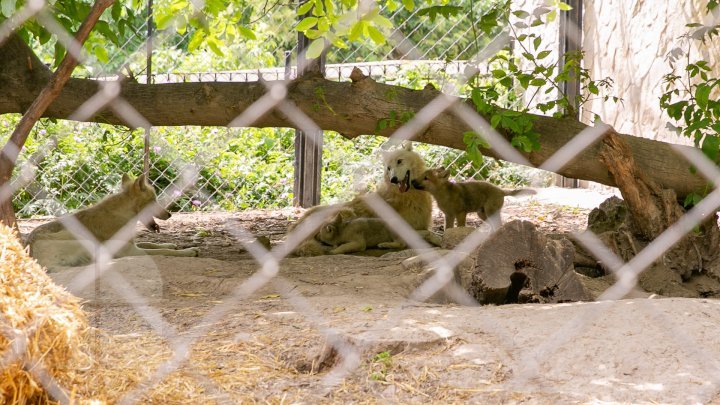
(51, 244)
(401, 167)
(357, 235)
(456, 200)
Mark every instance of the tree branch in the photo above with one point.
(350, 108)
(38, 107)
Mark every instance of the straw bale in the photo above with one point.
(42, 330)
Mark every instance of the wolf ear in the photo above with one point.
(407, 145)
(337, 221)
(126, 182)
(141, 182)
(443, 172)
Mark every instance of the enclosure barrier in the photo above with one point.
(269, 260)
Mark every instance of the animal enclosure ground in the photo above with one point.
(270, 345)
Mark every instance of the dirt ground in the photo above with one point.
(272, 344)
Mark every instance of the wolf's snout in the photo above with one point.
(394, 180)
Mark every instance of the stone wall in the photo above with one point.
(629, 41)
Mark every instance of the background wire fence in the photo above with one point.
(87, 160)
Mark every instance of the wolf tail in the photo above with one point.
(520, 191)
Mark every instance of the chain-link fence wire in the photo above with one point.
(183, 176)
(88, 159)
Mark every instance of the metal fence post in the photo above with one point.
(148, 75)
(308, 147)
(571, 30)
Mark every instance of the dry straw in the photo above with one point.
(42, 329)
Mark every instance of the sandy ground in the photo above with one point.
(264, 338)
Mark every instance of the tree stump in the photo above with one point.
(518, 249)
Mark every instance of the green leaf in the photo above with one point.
(356, 30)
(319, 10)
(104, 28)
(691, 200)
(409, 5)
(536, 42)
(382, 22)
(592, 88)
(101, 54)
(197, 39)
(163, 21)
(391, 5)
(214, 45)
(315, 48)
(564, 6)
(246, 32)
(711, 146)
(313, 34)
(329, 8)
(305, 7)
(376, 35)
(538, 82)
(702, 95)
(116, 10)
(495, 120)
(551, 16)
(521, 14)
(306, 23)
(675, 110)
(498, 73)
(543, 54)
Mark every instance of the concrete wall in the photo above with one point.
(629, 41)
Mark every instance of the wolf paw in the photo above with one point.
(192, 251)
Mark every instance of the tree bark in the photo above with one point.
(627, 226)
(350, 108)
(47, 95)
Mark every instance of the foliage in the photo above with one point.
(687, 99)
(691, 95)
(529, 70)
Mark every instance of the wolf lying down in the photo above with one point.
(53, 245)
(357, 234)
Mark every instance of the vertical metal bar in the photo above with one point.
(571, 29)
(308, 147)
(148, 80)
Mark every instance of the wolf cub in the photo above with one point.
(455, 200)
(357, 234)
(52, 244)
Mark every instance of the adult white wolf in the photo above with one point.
(402, 166)
(51, 244)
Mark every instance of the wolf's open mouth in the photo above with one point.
(404, 184)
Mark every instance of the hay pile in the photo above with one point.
(41, 330)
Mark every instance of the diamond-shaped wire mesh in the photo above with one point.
(233, 169)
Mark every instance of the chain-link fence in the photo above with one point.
(89, 151)
(73, 165)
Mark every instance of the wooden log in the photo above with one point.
(518, 247)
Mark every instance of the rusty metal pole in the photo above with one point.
(308, 147)
(148, 80)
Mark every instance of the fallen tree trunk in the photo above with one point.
(350, 108)
(647, 210)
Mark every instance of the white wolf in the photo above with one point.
(51, 244)
(401, 167)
